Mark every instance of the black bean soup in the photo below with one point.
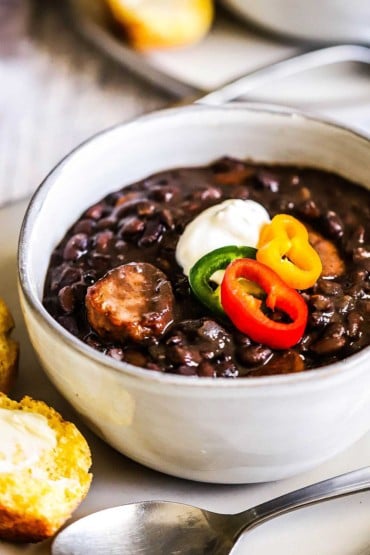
(143, 222)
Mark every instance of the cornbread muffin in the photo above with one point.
(9, 350)
(44, 470)
(164, 23)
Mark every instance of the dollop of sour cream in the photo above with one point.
(24, 437)
(232, 222)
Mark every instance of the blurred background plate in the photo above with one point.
(317, 20)
(231, 49)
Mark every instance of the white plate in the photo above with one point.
(230, 50)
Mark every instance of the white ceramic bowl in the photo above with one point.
(312, 20)
(216, 430)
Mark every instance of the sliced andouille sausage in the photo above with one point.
(332, 263)
(133, 301)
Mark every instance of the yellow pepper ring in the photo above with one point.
(284, 247)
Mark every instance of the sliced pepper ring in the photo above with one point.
(284, 246)
(205, 267)
(245, 310)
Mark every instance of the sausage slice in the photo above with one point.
(133, 301)
(332, 264)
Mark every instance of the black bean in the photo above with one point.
(184, 370)
(336, 330)
(166, 218)
(226, 369)
(120, 246)
(318, 319)
(69, 323)
(126, 208)
(112, 198)
(212, 331)
(328, 345)
(99, 262)
(354, 323)
(356, 291)
(162, 181)
(89, 277)
(146, 208)
(67, 299)
(95, 212)
(268, 180)
(240, 192)
(286, 205)
(93, 342)
(357, 239)
(153, 232)
(360, 254)
(169, 243)
(64, 275)
(164, 265)
(365, 306)
(329, 287)
(102, 241)
(207, 193)
(308, 339)
(153, 366)
(225, 165)
(334, 225)
(131, 226)
(182, 355)
(332, 341)
(206, 369)
(109, 222)
(163, 194)
(309, 209)
(345, 304)
(174, 340)
(322, 303)
(241, 339)
(76, 246)
(359, 276)
(191, 206)
(56, 258)
(51, 304)
(84, 226)
(254, 355)
(115, 353)
(132, 356)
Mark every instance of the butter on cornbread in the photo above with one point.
(44, 470)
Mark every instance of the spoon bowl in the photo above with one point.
(162, 527)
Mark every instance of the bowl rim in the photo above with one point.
(338, 370)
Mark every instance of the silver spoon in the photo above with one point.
(165, 528)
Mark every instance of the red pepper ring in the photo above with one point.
(245, 312)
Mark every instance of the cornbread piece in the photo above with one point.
(44, 470)
(163, 23)
(9, 349)
(134, 300)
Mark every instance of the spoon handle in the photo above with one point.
(286, 68)
(345, 484)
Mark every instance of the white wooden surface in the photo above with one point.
(55, 91)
